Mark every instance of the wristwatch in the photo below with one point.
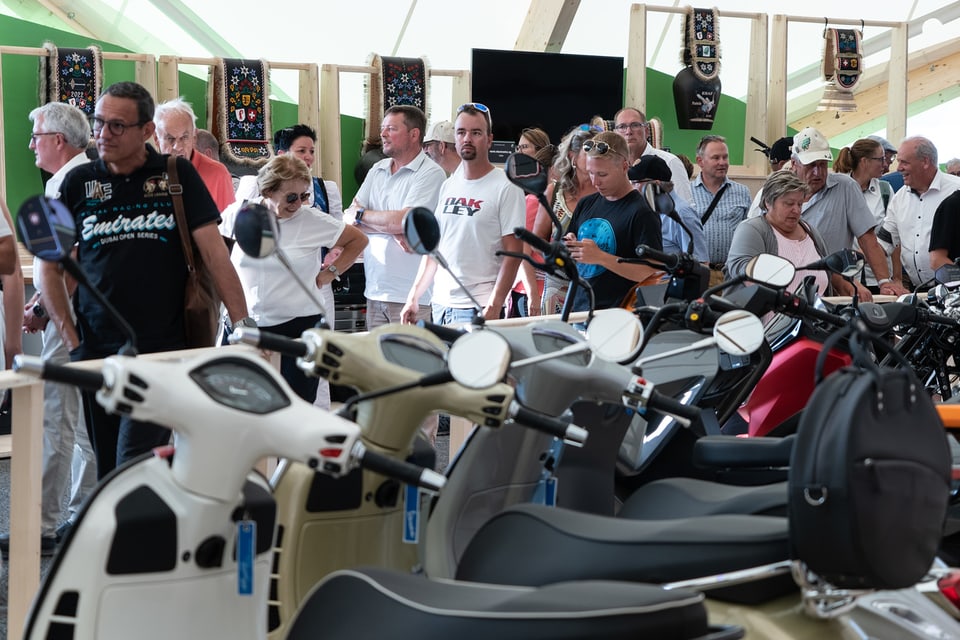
(38, 310)
(336, 272)
(245, 322)
(359, 218)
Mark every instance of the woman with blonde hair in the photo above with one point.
(275, 300)
(571, 182)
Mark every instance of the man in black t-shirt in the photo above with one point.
(610, 224)
(945, 232)
(129, 245)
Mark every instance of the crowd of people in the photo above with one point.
(606, 187)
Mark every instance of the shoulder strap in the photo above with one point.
(713, 203)
(176, 194)
(886, 190)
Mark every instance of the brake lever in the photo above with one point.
(542, 266)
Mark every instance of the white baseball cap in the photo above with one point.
(810, 146)
(441, 132)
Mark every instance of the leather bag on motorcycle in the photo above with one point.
(869, 480)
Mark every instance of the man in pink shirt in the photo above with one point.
(177, 135)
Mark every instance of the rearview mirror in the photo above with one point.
(256, 230)
(46, 228)
(771, 270)
(738, 332)
(948, 275)
(479, 359)
(847, 262)
(615, 335)
(527, 173)
(421, 230)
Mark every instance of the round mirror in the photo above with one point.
(948, 275)
(479, 360)
(771, 270)
(525, 172)
(738, 332)
(256, 230)
(615, 335)
(46, 228)
(847, 262)
(421, 230)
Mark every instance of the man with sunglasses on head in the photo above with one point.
(477, 209)
(129, 245)
(633, 126)
(608, 225)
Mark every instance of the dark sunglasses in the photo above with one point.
(599, 147)
(293, 197)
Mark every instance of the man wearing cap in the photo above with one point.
(675, 238)
(440, 145)
(720, 203)
(912, 210)
(780, 153)
(893, 178)
(609, 224)
(836, 208)
(632, 125)
(406, 178)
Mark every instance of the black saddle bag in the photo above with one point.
(869, 480)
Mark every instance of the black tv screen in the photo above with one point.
(552, 91)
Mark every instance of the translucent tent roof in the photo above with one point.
(445, 31)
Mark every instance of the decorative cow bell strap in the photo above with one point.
(696, 89)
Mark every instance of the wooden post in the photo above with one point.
(635, 93)
(25, 465)
(329, 132)
(756, 115)
(897, 85)
(777, 98)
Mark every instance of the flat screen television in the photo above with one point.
(553, 91)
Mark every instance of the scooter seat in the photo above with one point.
(533, 545)
(689, 498)
(378, 603)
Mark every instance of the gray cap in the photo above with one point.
(883, 143)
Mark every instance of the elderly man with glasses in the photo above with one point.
(129, 244)
(633, 126)
(608, 225)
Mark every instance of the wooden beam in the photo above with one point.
(756, 114)
(777, 96)
(926, 74)
(635, 93)
(546, 25)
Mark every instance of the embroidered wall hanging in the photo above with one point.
(74, 76)
(395, 81)
(239, 106)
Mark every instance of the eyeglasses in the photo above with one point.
(599, 147)
(293, 197)
(523, 146)
(115, 127)
(34, 136)
(635, 126)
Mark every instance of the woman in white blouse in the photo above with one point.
(275, 301)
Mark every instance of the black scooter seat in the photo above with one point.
(690, 498)
(534, 545)
(378, 603)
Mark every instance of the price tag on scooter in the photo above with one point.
(246, 555)
(411, 514)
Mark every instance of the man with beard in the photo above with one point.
(478, 209)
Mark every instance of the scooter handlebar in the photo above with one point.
(674, 407)
(445, 333)
(669, 260)
(400, 470)
(556, 427)
(82, 378)
(269, 341)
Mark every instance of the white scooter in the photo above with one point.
(179, 544)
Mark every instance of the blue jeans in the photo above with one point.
(451, 315)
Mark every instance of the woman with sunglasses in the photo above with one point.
(276, 302)
(571, 182)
